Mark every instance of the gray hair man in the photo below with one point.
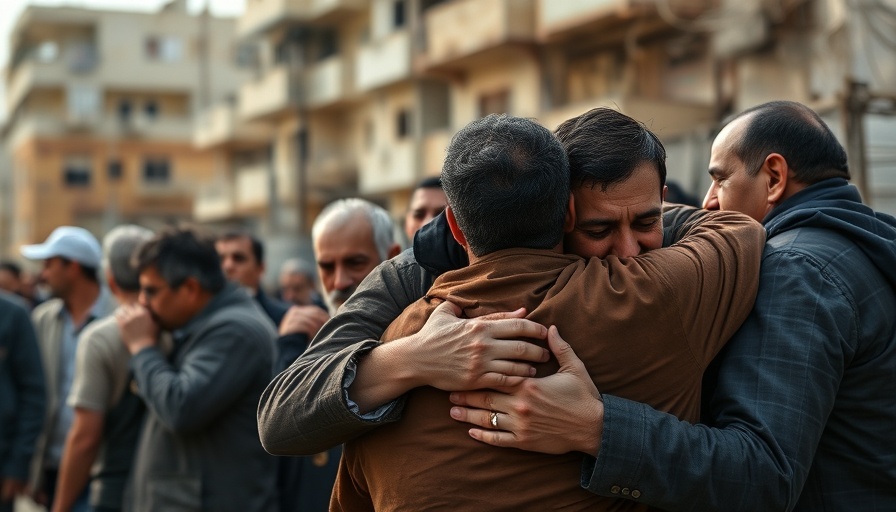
(351, 237)
(296, 282)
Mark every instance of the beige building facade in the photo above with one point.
(362, 96)
(101, 111)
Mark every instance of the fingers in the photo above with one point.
(564, 353)
(487, 400)
(520, 313)
(447, 308)
(515, 328)
(494, 437)
(484, 431)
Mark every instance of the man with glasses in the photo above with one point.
(199, 449)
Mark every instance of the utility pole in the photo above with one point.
(854, 105)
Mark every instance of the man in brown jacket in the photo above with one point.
(507, 181)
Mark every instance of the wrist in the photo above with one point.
(139, 344)
(591, 443)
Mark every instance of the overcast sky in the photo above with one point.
(11, 9)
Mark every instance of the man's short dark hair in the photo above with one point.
(605, 147)
(507, 182)
(797, 133)
(179, 253)
(430, 182)
(257, 246)
(11, 267)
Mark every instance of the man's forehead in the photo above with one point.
(150, 275)
(241, 244)
(429, 195)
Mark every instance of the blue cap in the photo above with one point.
(69, 242)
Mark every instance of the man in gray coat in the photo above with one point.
(199, 449)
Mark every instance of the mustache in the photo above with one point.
(340, 296)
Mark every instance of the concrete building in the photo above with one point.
(100, 115)
(362, 96)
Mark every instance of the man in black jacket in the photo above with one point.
(22, 398)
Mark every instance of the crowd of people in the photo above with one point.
(558, 336)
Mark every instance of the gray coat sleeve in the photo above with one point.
(305, 409)
(213, 374)
(26, 393)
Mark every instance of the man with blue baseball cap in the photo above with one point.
(71, 256)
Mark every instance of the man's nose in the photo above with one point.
(343, 279)
(711, 200)
(626, 245)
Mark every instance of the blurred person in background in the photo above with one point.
(108, 414)
(10, 277)
(350, 237)
(71, 257)
(297, 283)
(22, 398)
(199, 448)
(427, 202)
(242, 260)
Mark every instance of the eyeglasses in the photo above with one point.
(151, 291)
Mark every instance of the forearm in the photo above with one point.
(81, 449)
(677, 466)
(370, 390)
(305, 409)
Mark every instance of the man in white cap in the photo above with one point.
(71, 257)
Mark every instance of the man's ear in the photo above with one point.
(455, 231)
(777, 172)
(192, 287)
(110, 282)
(569, 223)
(663, 195)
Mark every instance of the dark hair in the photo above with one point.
(605, 147)
(179, 253)
(797, 133)
(430, 182)
(12, 268)
(507, 181)
(257, 246)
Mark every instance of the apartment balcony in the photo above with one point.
(214, 202)
(384, 61)
(668, 119)
(263, 15)
(251, 189)
(220, 126)
(175, 194)
(141, 127)
(32, 74)
(388, 168)
(332, 169)
(558, 20)
(463, 32)
(271, 96)
(28, 126)
(328, 82)
(327, 11)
